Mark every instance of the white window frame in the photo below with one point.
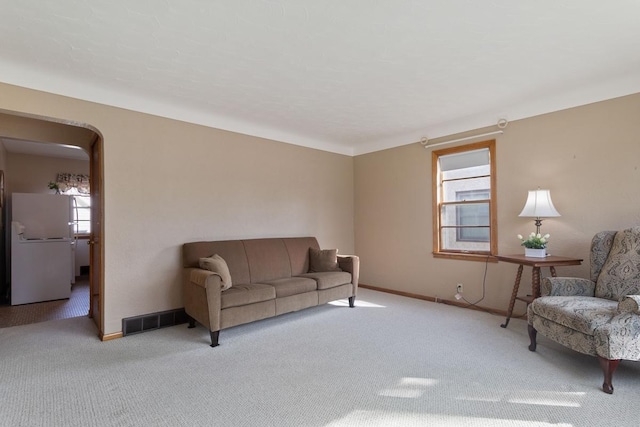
(81, 226)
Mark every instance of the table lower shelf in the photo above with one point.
(528, 299)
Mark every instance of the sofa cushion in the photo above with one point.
(247, 294)
(268, 259)
(298, 249)
(580, 313)
(323, 260)
(217, 264)
(231, 250)
(620, 274)
(292, 286)
(329, 279)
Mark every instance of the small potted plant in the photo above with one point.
(535, 245)
(54, 186)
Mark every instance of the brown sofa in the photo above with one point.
(269, 277)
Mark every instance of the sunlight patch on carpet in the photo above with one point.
(409, 388)
(549, 398)
(401, 419)
(359, 303)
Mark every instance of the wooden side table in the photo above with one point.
(550, 261)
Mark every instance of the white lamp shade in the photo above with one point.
(539, 205)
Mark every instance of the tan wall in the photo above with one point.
(3, 241)
(3, 168)
(167, 182)
(589, 157)
(31, 174)
(3, 156)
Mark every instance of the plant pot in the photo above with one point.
(535, 253)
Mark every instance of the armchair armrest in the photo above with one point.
(629, 304)
(567, 286)
(351, 264)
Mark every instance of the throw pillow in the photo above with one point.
(219, 266)
(620, 274)
(323, 260)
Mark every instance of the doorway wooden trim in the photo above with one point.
(21, 126)
(96, 241)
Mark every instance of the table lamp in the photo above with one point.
(539, 206)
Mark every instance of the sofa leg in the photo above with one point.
(608, 368)
(192, 322)
(352, 302)
(214, 338)
(532, 337)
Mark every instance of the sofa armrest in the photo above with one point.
(629, 304)
(202, 277)
(351, 264)
(567, 286)
(202, 294)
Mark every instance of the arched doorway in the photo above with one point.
(18, 126)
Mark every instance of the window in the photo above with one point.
(82, 214)
(472, 214)
(464, 201)
(78, 187)
(81, 204)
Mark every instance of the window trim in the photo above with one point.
(493, 204)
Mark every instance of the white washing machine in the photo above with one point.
(40, 269)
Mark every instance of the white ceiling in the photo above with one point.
(347, 76)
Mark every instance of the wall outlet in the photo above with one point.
(459, 289)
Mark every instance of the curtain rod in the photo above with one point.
(425, 141)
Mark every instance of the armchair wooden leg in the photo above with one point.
(532, 337)
(352, 301)
(608, 368)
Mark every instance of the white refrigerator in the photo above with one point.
(41, 247)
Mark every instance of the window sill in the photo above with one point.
(466, 256)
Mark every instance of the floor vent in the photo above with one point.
(149, 322)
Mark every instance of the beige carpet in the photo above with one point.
(391, 361)
(77, 305)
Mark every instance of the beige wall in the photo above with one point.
(3, 156)
(3, 241)
(26, 173)
(589, 157)
(168, 182)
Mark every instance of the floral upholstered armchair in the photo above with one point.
(600, 316)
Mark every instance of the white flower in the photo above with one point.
(534, 240)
